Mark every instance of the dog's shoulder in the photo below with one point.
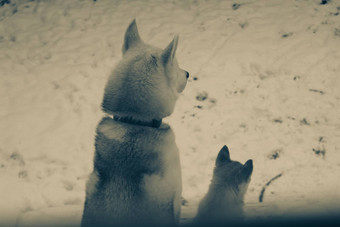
(122, 146)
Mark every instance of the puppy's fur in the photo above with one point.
(136, 179)
(223, 203)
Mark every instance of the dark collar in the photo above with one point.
(154, 123)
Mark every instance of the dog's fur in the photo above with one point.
(136, 179)
(223, 203)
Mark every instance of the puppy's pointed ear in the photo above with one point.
(247, 169)
(131, 37)
(223, 156)
(169, 52)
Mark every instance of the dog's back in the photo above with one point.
(134, 181)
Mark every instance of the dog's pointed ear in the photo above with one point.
(169, 52)
(247, 169)
(223, 156)
(131, 37)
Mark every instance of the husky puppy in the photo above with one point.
(136, 178)
(223, 203)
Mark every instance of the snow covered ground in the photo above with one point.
(265, 79)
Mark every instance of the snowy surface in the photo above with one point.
(265, 80)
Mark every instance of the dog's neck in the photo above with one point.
(227, 196)
(154, 123)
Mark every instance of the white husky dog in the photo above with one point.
(136, 179)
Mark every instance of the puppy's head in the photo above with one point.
(232, 174)
(146, 82)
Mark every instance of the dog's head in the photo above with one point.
(146, 82)
(232, 174)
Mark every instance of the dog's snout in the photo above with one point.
(187, 74)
